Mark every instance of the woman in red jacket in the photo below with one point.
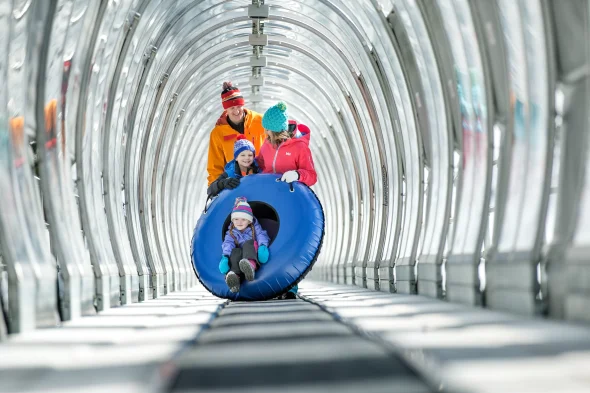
(284, 153)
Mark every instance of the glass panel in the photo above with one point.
(17, 252)
(436, 214)
(26, 188)
(539, 130)
(473, 110)
(56, 176)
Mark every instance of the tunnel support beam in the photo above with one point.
(258, 12)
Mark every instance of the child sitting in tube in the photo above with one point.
(244, 247)
(242, 165)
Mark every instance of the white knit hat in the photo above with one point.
(242, 210)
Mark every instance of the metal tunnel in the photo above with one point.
(450, 139)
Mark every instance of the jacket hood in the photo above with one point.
(302, 139)
(230, 166)
(303, 133)
(303, 129)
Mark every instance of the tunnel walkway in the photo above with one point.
(120, 349)
(289, 346)
(450, 140)
(335, 338)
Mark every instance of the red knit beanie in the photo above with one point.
(231, 96)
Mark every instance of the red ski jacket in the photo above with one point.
(293, 154)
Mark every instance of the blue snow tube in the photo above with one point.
(294, 219)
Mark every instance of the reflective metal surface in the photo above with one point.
(449, 138)
(523, 170)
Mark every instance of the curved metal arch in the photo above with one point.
(154, 266)
(61, 210)
(88, 165)
(336, 169)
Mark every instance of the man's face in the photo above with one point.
(236, 113)
(245, 158)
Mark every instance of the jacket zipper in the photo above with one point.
(275, 159)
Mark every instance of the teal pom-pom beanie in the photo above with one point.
(275, 118)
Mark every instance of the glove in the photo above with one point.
(224, 265)
(290, 176)
(230, 183)
(263, 254)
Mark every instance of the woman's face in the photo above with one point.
(236, 113)
(245, 158)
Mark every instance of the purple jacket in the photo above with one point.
(243, 236)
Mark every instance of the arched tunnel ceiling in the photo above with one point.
(434, 137)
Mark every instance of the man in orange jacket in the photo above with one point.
(235, 120)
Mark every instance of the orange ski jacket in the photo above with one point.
(223, 137)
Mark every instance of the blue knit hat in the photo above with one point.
(275, 118)
(241, 145)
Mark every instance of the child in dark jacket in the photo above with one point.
(242, 165)
(244, 247)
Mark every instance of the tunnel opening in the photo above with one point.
(267, 218)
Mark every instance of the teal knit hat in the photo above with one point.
(275, 118)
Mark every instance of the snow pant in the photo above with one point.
(246, 251)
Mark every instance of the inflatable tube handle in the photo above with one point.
(207, 206)
(291, 189)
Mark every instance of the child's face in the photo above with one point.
(245, 158)
(240, 223)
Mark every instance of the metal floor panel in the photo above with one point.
(288, 346)
(121, 349)
(462, 347)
